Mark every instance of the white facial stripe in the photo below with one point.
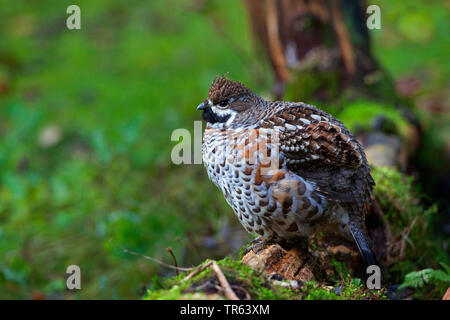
(222, 112)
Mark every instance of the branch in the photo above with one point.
(229, 293)
(150, 258)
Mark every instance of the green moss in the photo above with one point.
(256, 285)
(411, 223)
(401, 203)
(340, 269)
(236, 273)
(352, 289)
(399, 200)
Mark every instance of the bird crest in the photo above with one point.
(223, 89)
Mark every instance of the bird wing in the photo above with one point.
(309, 136)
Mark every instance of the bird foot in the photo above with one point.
(258, 245)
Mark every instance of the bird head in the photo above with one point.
(226, 100)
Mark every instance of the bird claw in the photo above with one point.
(257, 245)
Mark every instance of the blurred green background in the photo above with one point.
(86, 118)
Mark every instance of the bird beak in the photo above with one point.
(201, 106)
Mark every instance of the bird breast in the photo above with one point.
(268, 198)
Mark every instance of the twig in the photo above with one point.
(229, 293)
(150, 258)
(405, 238)
(169, 249)
(390, 239)
(247, 295)
(197, 271)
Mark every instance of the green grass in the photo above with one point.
(113, 92)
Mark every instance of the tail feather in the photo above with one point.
(363, 245)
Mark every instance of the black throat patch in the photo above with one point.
(212, 117)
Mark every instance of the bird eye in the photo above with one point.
(223, 103)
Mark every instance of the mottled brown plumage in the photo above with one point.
(318, 178)
(222, 89)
